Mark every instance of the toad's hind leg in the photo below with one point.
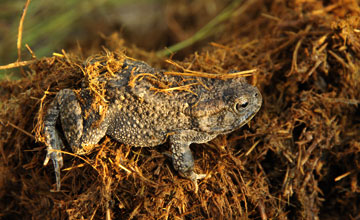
(66, 106)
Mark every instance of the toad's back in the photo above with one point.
(141, 115)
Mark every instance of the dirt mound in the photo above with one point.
(298, 158)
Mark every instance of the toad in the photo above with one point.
(141, 115)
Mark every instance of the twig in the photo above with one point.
(17, 64)
(188, 72)
(215, 76)
(20, 129)
(20, 30)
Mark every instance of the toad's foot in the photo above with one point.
(194, 177)
(56, 157)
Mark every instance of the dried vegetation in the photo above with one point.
(297, 159)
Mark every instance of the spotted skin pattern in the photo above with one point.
(139, 115)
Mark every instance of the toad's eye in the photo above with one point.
(240, 106)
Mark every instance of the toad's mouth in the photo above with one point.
(225, 129)
(238, 126)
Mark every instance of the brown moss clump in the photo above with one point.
(298, 159)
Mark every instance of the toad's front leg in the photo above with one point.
(183, 160)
